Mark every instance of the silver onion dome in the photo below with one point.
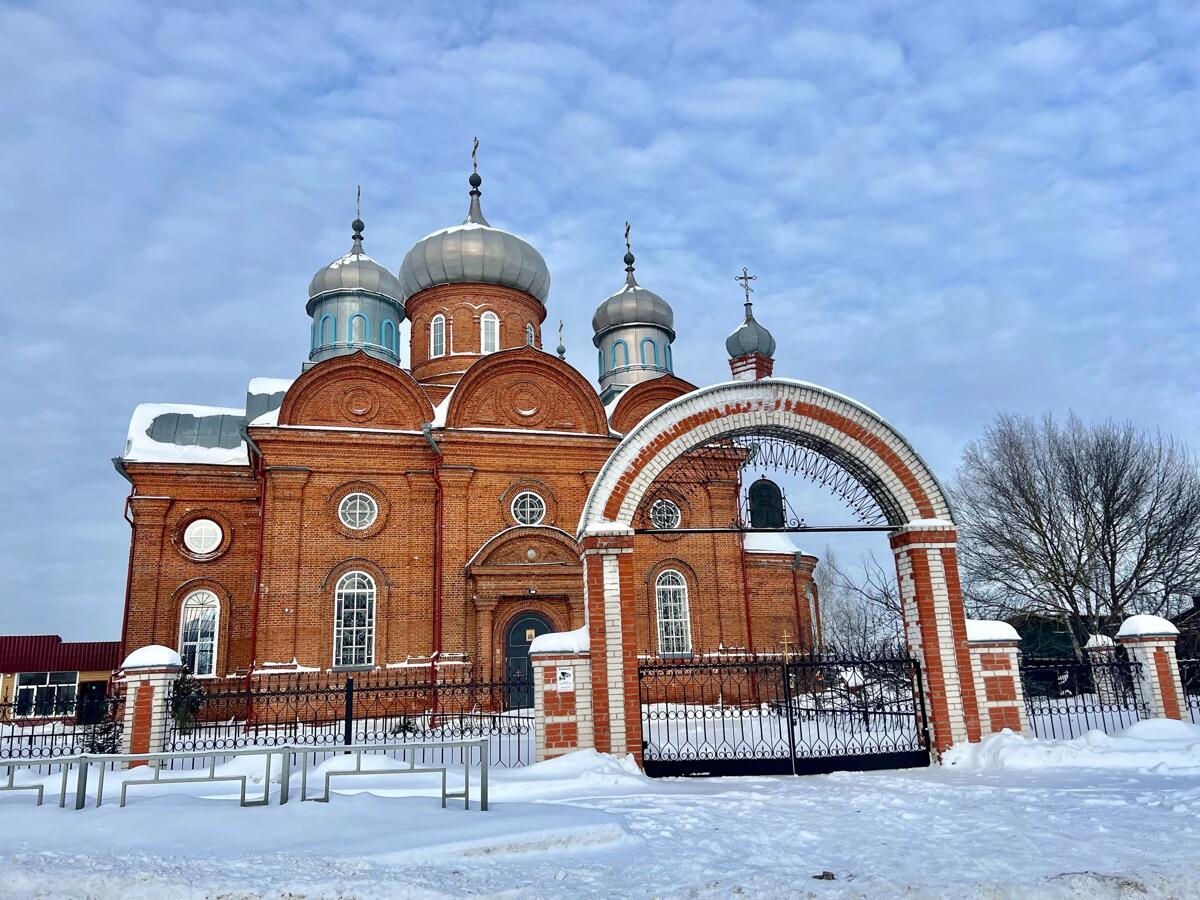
(475, 253)
(633, 305)
(750, 337)
(354, 272)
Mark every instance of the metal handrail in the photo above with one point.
(84, 761)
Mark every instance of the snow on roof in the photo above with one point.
(152, 656)
(1144, 626)
(987, 630)
(576, 641)
(1099, 640)
(770, 542)
(270, 417)
(185, 433)
(269, 385)
(440, 411)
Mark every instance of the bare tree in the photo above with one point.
(1089, 523)
(860, 606)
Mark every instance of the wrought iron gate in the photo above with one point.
(773, 715)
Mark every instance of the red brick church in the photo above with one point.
(366, 515)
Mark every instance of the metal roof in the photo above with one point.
(50, 653)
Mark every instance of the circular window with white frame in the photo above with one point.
(528, 508)
(358, 511)
(202, 537)
(664, 514)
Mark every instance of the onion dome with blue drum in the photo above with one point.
(632, 331)
(355, 304)
(475, 253)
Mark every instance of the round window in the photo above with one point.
(528, 508)
(202, 536)
(664, 514)
(358, 511)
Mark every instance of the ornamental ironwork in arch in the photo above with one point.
(771, 450)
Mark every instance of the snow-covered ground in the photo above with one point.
(1100, 816)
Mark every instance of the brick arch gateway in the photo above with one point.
(920, 523)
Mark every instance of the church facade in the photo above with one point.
(365, 515)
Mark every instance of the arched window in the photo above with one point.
(651, 358)
(354, 620)
(387, 336)
(600, 359)
(312, 342)
(359, 328)
(674, 622)
(489, 333)
(667, 356)
(198, 633)
(437, 336)
(621, 358)
(328, 330)
(529, 333)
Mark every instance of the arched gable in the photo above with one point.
(526, 388)
(356, 390)
(510, 549)
(645, 397)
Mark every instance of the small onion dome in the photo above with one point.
(475, 253)
(354, 272)
(633, 305)
(750, 337)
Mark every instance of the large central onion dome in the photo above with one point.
(475, 253)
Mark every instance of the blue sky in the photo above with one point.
(952, 208)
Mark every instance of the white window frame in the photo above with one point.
(342, 592)
(674, 625)
(195, 525)
(517, 500)
(437, 336)
(356, 498)
(486, 320)
(202, 600)
(663, 503)
(529, 334)
(18, 689)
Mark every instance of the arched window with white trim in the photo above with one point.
(529, 333)
(437, 336)
(674, 621)
(489, 333)
(198, 633)
(354, 620)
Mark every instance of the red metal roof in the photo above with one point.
(50, 653)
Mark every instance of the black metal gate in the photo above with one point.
(773, 715)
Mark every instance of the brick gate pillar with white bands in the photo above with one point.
(1150, 641)
(148, 674)
(562, 693)
(996, 670)
(924, 536)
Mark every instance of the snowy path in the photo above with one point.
(589, 826)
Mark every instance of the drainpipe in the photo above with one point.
(261, 477)
(120, 467)
(427, 430)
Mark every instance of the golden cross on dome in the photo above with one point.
(745, 278)
(474, 156)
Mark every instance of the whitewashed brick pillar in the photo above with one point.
(148, 674)
(562, 694)
(935, 628)
(1150, 641)
(608, 605)
(996, 672)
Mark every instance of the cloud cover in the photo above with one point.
(951, 208)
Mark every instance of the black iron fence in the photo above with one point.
(1189, 674)
(31, 729)
(337, 709)
(773, 714)
(1065, 698)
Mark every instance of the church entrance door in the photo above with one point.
(517, 669)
